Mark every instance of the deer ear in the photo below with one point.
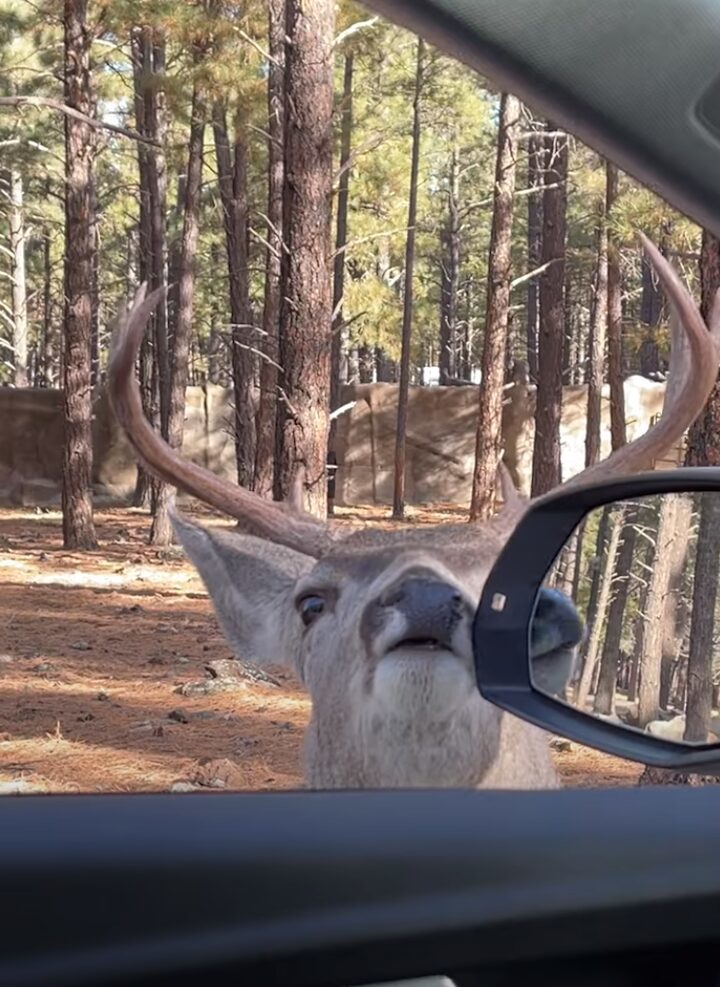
(250, 582)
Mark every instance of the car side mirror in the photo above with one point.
(600, 620)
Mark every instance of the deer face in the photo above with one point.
(377, 624)
(379, 631)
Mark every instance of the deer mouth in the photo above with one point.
(421, 644)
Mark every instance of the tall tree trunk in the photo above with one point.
(616, 374)
(141, 47)
(48, 356)
(78, 525)
(265, 423)
(535, 180)
(704, 450)
(607, 677)
(306, 307)
(95, 308)
(675, 615)
(341, 229)
(403, 389)
(366, 365)
(156, 125)
(546, 471)
(651, 312)
(621, 581)
(161, 530)
(232, 181)
(599, 624)
(339, 263)
(596, 363)
(707, 571)
(19, 287)
(651, 657)
(449, 279)
(489, 426)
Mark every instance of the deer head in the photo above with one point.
(376, 624)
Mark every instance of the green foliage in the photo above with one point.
(223, 45)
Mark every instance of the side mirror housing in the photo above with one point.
(598, 621)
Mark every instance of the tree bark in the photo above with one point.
(156, 122)
(599, 623)
(546, 471)
(232, 182)
(340, 259)
(141, 48)
(704, 450)
(80, 143)
(49, 375)
(596, 362)
(658, 589)
(616, 369)
(403, 389)
(161, 530)
(19, 285)
(607, 678)
(449, 279)
(148, 48)
(488, 443)
(535, 180)
(266, 435)
(306, 307)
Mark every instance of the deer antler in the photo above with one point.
(281, 523)
(694, 359)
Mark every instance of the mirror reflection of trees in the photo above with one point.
(644, 576)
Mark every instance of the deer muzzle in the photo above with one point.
(425, 614)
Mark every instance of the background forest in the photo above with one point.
(174, 162)
(327, 200)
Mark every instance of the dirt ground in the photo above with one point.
(95, 647)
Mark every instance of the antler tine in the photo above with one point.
(694, 361)
(275, 521)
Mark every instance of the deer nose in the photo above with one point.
(555, 624)
(431, 608)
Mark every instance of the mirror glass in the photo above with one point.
(626, 624)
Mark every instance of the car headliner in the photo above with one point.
(636, 80)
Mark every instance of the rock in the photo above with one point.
(183, 786)
(210, 686)
(18, 786)
(231, 668)
(219, 773)
(179, 716)
(666, 776)
(80, 646)
(561, 744)
(146, 728)
(45, 670)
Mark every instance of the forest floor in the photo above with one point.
(95, 647)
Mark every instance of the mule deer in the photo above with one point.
(376, 624)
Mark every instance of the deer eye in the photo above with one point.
(310, 608)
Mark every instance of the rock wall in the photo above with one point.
(441, 438)
(440, 441)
